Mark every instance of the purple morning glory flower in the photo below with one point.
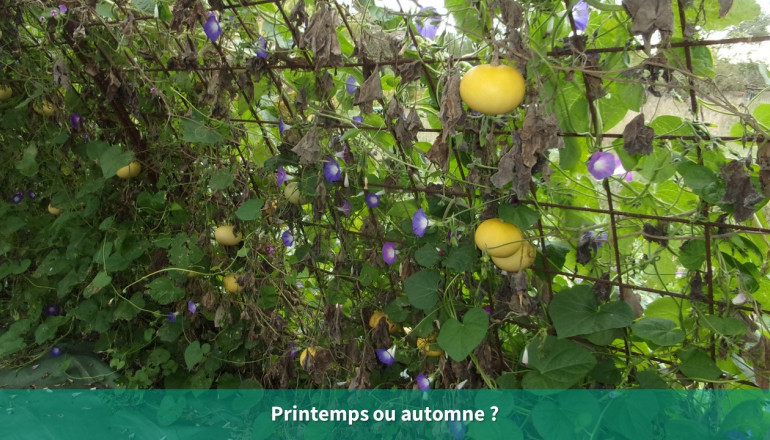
(76, 120)
(332, 170)
(292, 350)
(261, 50)
(358, 120)
(739, 299)
(55, 351)
(346, 208)
(488, 309)
(212, 28)
(281, 126)
(54, 12)
(52, 310)
(270, 249)
(619, 170)
(372, 200)
(282, 176)
(31, 194)
(419, 223)
(386, 356)
(288, 238)
(18, 197)
(423, 382)
(347, 155)
(63, 9)
(580, 14)
(192, 307)
(389, 252)
(351, 85)
(427, 24)
(172, 316)
(601, 165)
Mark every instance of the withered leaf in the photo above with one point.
(376, 45)
(603, 288)
(763, 160)
(308, 148)
(539, 133)
(740, 191)
(113, 85)
(512, 13)
(637, 137)
(633, 299)
(406, 129)
(187, 13)
(394, 112)
(61, 75)
(504, 174)
(696, 286)
(333, 321)
(409, 71)
(298, 16)
(439, 153)
(655, 234)
(724, 7)
(369, 91)
(519, 281)
(583, 252)
(451, 112)
(649, 16)
(321, 37)
(245, 85)
(381, 335)
(324, 85)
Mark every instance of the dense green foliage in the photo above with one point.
(634, 284)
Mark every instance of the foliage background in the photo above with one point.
(673, 297)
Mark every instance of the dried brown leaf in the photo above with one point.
(113, 85)
(308, 148)
(409, 71)
(724, 7)
(439, 153)
(369, 91)
(512, 13)
(451, 112)
(696, 287)
(321, 37)
(740, 191)
(61, 76)
(637, 137)
(324, 85)
(505, 174)
(298, 16)
(633, 299)
(603, 288)
(333, 321)
(539, 133)
(649, 16)
(763, 160)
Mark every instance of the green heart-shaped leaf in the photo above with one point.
(460, 339)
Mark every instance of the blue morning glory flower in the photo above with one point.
(580, 14)
(31, 194)
(389, 252)
(387, 357)
(601, 165)
(18, 197)
(423, 382)
(76, 120)
(419, 223)
(52, 310)
(281, 126)
(372, 200)
(212, 28)
(427, 24)
(172, 316)
(282, 177)
(351, 85)
(332, 170)
(346, 208)
(261, 50)
(55, 351)
(358, 120)
(288, 238)
(192, 307)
